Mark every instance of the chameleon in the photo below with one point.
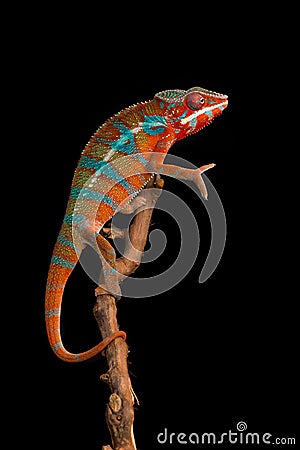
(143, 133)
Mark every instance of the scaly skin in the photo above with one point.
(100, 186)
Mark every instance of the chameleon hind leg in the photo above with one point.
(109, 282)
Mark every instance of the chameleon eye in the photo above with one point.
(194, 100)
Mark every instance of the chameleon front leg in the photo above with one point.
(157, 164)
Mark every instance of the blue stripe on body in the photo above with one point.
(56, 346)
(154, 124)
(76, 219)
(140, 158)
(125, 143)
(86, 162)
(106, 169)
(63, 240)
(52, 312)
(90, 194)
(58, 261)
(54, 286)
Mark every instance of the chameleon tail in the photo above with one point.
(62, 264)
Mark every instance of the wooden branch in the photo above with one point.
(119, 411)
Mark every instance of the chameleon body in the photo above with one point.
(144, 129)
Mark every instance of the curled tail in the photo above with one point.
(62, 264)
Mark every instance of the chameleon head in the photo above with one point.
(190, 111)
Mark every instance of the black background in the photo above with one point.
(202, 357)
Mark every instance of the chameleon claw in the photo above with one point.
(114, 233)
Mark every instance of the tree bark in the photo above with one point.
(119, 410)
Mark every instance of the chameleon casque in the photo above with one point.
(143, 132)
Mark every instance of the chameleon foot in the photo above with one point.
(114, 233)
